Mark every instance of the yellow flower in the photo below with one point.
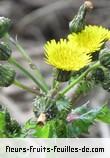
(63, 55)
(91, 39)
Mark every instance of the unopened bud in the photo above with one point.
(7, 75)
(78, 23)
(104, 57)
(62, 76)
(5, 51)
(5, 24)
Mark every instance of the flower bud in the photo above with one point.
(7, 75)
(5, 24)
(62, 76)
(5, 51)
(78, 22)
(106, 82)
(98, 75)
(104, 57)
(39, 105)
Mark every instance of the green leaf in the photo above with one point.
(32, 129)
(2, 124)
(104, 114)
(9, 128)
(82, 109)
(85, 86)
(63, 104)
(83, 121)
(52, 129)
(81, 124)
(43, 132)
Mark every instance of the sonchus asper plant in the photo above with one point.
(56, 114)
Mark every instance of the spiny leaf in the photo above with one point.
(52, 129)
(81, 110)
(85, 86)
(104, 114)
(80, 124)
(8, 127)
(63, 104)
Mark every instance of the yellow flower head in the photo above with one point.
(63, 55)
(91, 38)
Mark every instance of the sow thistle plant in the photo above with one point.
(81, 60)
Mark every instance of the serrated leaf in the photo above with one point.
(104, 114)
(81, 110)
(63, 104)
(43, 131)
(82, 123)
(8, 128)
(85, 86)
(52, 129)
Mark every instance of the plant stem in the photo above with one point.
(27, 74)
(22, 86)
(74, 82)
(27, 58)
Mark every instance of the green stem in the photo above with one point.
(72, 84)
(27, 73)
(27, 58)
(22, 86)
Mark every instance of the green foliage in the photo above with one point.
(2, 124)
(81, 110)
(63, 104)
(104, 115)
(52, 129)
(82, 119)
(7, 75)
(85, 86)
(9, 128)
(39, 105)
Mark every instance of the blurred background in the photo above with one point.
(34, 22)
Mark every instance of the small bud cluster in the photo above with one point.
(7, 74)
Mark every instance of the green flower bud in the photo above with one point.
(5, 24)
(98, 75)
(5, 51)
(104, 57)
(78, 23)
(40, 107)
(7, 75)
(106, 82)
(62, 76)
